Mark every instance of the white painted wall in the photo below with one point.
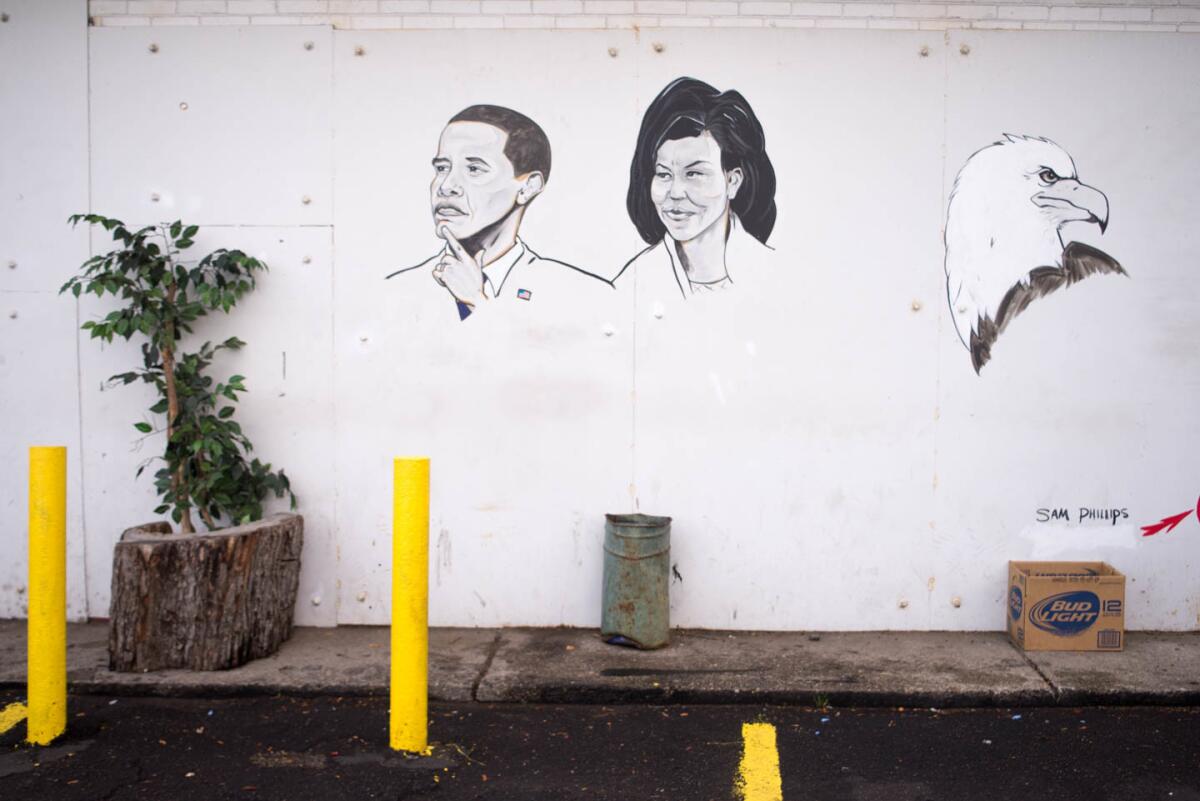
(829, 456)
(43, 180)
(250, 160)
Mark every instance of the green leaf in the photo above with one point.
(158, 297)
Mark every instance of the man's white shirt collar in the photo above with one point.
(496, 273)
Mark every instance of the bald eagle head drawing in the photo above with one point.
(1003, 243)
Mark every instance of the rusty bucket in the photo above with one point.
(637, 564)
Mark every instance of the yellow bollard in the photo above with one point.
(47, 666)
(409, 722)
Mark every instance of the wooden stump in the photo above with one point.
(204, 601)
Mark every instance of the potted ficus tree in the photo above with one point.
(208, 599)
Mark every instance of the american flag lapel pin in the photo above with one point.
(524, 294)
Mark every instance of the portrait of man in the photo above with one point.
(491, 163)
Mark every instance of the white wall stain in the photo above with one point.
(715, 380)
(576, 534)
(1050, 541)
(444, 556)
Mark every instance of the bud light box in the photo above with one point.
(1066, 606)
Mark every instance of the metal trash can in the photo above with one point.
(637, 572)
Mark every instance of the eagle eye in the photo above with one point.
(1049, 176)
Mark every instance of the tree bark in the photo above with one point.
(167, 353)
(204, 601)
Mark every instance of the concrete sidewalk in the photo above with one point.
(925, 669)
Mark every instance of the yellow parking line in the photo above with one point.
(11, 715)
(758, 774)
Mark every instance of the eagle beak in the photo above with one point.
(1077, 201)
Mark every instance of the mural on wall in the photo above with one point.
(491, 163)
(701, 187)
(1169, 523)
(1004, 246)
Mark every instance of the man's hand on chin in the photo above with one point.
(460, 272)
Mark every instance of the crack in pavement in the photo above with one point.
(1050, 684)
(487, 665)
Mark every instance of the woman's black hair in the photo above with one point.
(688, 107)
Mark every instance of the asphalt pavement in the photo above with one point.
(540, 714)
(330, 748)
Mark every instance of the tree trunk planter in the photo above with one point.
(203, 601)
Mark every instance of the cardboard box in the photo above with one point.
(1066, 606)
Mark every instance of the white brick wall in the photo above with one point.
(1086, 15)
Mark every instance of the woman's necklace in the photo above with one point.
(710, 286)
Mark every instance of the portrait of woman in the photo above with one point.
(701, 189)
